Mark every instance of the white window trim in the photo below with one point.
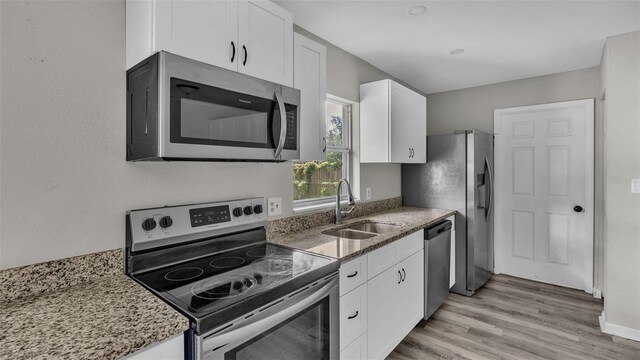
(310, 205)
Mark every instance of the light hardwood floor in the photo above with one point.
(512, 318)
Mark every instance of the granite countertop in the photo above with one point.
(105, 317)
(409, 219)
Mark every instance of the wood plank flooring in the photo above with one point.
(512, 318)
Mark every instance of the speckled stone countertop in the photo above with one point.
(92, 311)
(409, 219)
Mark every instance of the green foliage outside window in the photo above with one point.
(314, 179)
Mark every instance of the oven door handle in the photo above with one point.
(248, 331)
(283, 125)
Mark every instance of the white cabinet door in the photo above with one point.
(400, 123)
(201, 30)
(265, 34)
(382, 296)
(357, 350)
(310, 77)
(411, 293)
(393, 125)
(418, 129)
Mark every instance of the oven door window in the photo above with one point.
(207, 115)
(304, 336)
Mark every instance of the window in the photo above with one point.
(315, 182)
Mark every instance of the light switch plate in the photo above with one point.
(368, 193)
(275, 206)
(635, 186)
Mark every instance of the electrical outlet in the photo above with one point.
(368, 193)
(275, 206)
(635, 186)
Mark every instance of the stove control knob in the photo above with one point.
(248, 210)
(149, 224)
(166, 222)
(257, 209)
(237, 211)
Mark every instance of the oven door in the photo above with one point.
(215, 113)
(300, 326)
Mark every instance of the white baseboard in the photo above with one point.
(597, 293)
(618, 330)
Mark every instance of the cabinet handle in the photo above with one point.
(233, 53)
(404, 275)
(324, 144)
(245, 55)
(409, 152)
(353, 316)
(399, 277)
(352, 275)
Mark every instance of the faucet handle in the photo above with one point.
(346, 212)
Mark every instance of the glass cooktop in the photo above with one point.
(244, 279)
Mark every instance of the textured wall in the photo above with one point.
(621, 85)
(64, 181)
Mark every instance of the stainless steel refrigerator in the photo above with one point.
(458, 175)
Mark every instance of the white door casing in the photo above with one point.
(544, 158)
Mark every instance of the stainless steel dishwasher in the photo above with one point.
(437, 247)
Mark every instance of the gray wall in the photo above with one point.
(64, 181)
(473, 108)
(621, 86)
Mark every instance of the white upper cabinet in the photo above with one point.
(206, 31)
(252, 37)
(265, 34)
(393, 125)
(310, 77)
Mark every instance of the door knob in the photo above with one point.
(577, 208)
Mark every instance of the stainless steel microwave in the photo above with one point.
(182, 109)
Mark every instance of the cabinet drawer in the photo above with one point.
(410, 244)
(353, 315)
(381, 259)
(353, 274)
(357, 350)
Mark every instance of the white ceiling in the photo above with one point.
(503, 40)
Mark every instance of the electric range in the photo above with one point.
(241, 294)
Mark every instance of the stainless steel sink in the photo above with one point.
(362, 231)
(376, 228)
(349, 234)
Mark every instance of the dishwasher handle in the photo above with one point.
(436, 230)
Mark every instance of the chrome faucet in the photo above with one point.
(339, 212)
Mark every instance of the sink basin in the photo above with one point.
(362, 231)
(349, 234)
(376, 228)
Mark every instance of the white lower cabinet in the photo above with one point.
(357, 350)
(396, 304)
(452, 254)
(377, 314)
(353, 315)
(383, 295)
(410, 292)
(170, 349)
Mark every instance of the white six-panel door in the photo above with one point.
(544, 175)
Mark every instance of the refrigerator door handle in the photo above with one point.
(489, 196)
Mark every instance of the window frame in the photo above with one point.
(304, 205)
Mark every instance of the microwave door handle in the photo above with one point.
(283, 125)
(258, 327)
